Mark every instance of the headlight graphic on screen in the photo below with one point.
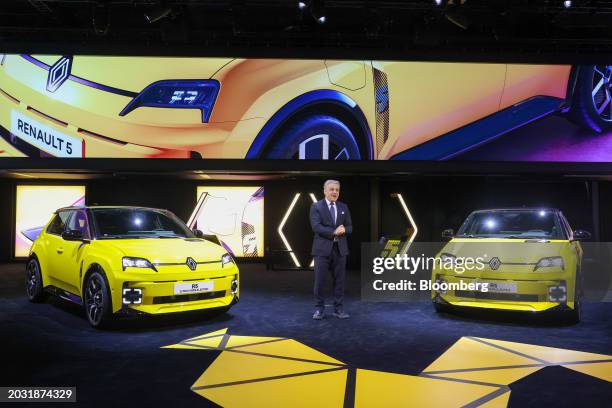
(234, 215)
(228, 108)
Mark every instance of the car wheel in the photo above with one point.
(592, 100)
(440, 308)
(574, 315)
(315, 137)
(97, 301)
(33, 282)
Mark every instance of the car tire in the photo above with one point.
(97, 301)
(315, 137)
(33, 282)
(574, 315)
(586, 105)
(441, 308)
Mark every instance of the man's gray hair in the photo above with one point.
(328, 182)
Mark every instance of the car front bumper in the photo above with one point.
(530, 295)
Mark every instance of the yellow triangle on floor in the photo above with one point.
(549, 354)
(504, 376)
(231, 367)
(320, 390)
(600, 370)
(290, 348)
(380, 389)
(497, 402)
(467, 353)
(243, 340)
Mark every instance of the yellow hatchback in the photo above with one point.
(528, 259)
(129, 260)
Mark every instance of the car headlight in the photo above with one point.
(181, 94)
(130, 262)
(550, 262)
(226, 259)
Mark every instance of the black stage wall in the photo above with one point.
(436, 203)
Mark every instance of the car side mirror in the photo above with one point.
(72, 235)
(448, 233)
(580, 235)
(198, 233)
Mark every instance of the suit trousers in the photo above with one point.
(323, 265)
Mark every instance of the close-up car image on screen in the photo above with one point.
(531, 262)
(225, 108)
(129, 260)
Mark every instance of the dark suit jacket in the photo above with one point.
(323, 228)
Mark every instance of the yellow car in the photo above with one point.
(129, 260)
(109, 106)
(528, 259)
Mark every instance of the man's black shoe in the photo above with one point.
(341, 314)
(318, 315)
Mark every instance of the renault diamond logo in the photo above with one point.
(59, 73)
(191, 263)
(494, 263)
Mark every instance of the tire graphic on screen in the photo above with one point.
(315, 137)
(592, 102)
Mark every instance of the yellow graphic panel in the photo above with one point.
(235, 341)
(549, 354)
(312, 390)
(232, 367)
(212, 339)
(503, 377)
(498, 402)
(380, 389)
(599, 370)
(291, 348)
(467, 353)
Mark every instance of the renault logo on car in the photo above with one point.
(191, 263)
(494, 263)
(59, 73)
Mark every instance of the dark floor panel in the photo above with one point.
(560, 387)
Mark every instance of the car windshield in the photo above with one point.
(536, 224)
(117, 223)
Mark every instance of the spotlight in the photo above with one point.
(157, 14)
(302, 5)
(438, 2)
(321, 20)
(567, 3)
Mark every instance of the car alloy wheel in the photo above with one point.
(33, 281)
(94, 300)
(601, 91)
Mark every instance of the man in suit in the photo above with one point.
(331, 223)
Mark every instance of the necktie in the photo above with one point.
(332, 209)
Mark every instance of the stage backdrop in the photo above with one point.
(231, 108)
(235, 215)
(34, 207)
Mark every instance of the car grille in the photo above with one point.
(496, 296)
(159, 300)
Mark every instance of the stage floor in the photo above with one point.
(51, 344)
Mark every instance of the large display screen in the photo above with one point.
(34, 207)
(235, 215)
(228, 108)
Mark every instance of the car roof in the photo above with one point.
(94, 207)
(527, 209)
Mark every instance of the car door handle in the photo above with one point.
(60, 250)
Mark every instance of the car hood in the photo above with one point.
(166, 250)
(136, 73)
(520, 251)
